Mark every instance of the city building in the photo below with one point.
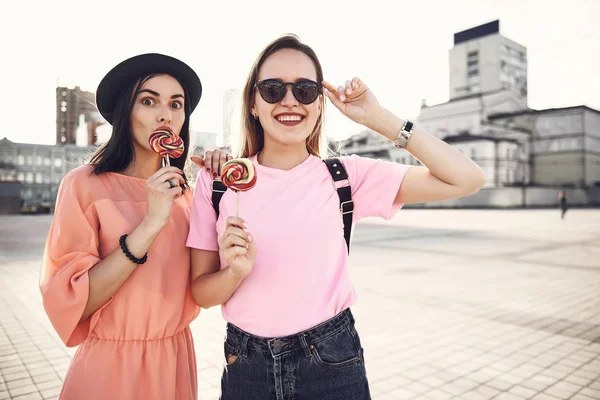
(487, 117)
(39, 169)
(70, 105)
(34, 171)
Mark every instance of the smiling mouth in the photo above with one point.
(289, 119)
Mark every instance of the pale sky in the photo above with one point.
(398, 48)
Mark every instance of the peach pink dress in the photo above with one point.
(138, 345)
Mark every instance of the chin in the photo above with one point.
(290, 140)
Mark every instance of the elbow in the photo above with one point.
(203, 304)
(475, 182)
(200, 300)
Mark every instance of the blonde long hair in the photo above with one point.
(252, 137)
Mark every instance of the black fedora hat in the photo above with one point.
(128, 71)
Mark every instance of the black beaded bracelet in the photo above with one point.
(128, 254)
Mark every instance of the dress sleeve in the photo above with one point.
(71, 250)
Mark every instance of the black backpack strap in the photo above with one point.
(218, 189)
(338, 173)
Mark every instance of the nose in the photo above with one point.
(289, 100)
(165, 115)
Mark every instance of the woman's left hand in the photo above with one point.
(213, 161)
(354, 100)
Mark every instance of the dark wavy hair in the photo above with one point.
(116, 154)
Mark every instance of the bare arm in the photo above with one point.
(212, 285)
(106, 277)
(447, 173)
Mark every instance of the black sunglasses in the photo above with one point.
(273, 90)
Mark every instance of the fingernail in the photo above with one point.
(214, 174)
(348, 91)
(245, 225)
(342, 98)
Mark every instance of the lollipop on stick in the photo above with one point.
(238, 175)
(167, 144)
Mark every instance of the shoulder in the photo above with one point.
(204, 179)
(81, 184)
(80, 178)
(353, 163)
(80, 173)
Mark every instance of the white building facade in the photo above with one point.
(488, 119)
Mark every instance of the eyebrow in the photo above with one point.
(152, 92)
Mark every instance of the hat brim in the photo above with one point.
(128, 71)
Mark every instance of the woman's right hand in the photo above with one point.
(237, 247)
(160, 195)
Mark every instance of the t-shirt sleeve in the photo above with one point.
(71, 251)
(375, 184)
(203, 219)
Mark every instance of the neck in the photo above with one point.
(144, 164)
(284, 157)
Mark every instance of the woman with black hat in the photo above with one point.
(116, 270)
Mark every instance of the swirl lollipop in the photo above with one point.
(167, 144)
(238, 175)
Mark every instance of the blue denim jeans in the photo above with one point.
(322, 363)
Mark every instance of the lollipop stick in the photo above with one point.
(167, 161)
(237, 206)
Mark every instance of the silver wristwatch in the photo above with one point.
(404, 135)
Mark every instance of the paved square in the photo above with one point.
(453, 304)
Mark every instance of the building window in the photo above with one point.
(473, 63)
(21, 177)
(39, 160)
(39, 178)
(46, 162)
(29, 177)
(29, 160)
(57, 162)
(21, 160)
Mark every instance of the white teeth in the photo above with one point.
(289, 118)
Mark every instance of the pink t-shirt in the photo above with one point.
(300, 278)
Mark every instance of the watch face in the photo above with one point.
(408, 126)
